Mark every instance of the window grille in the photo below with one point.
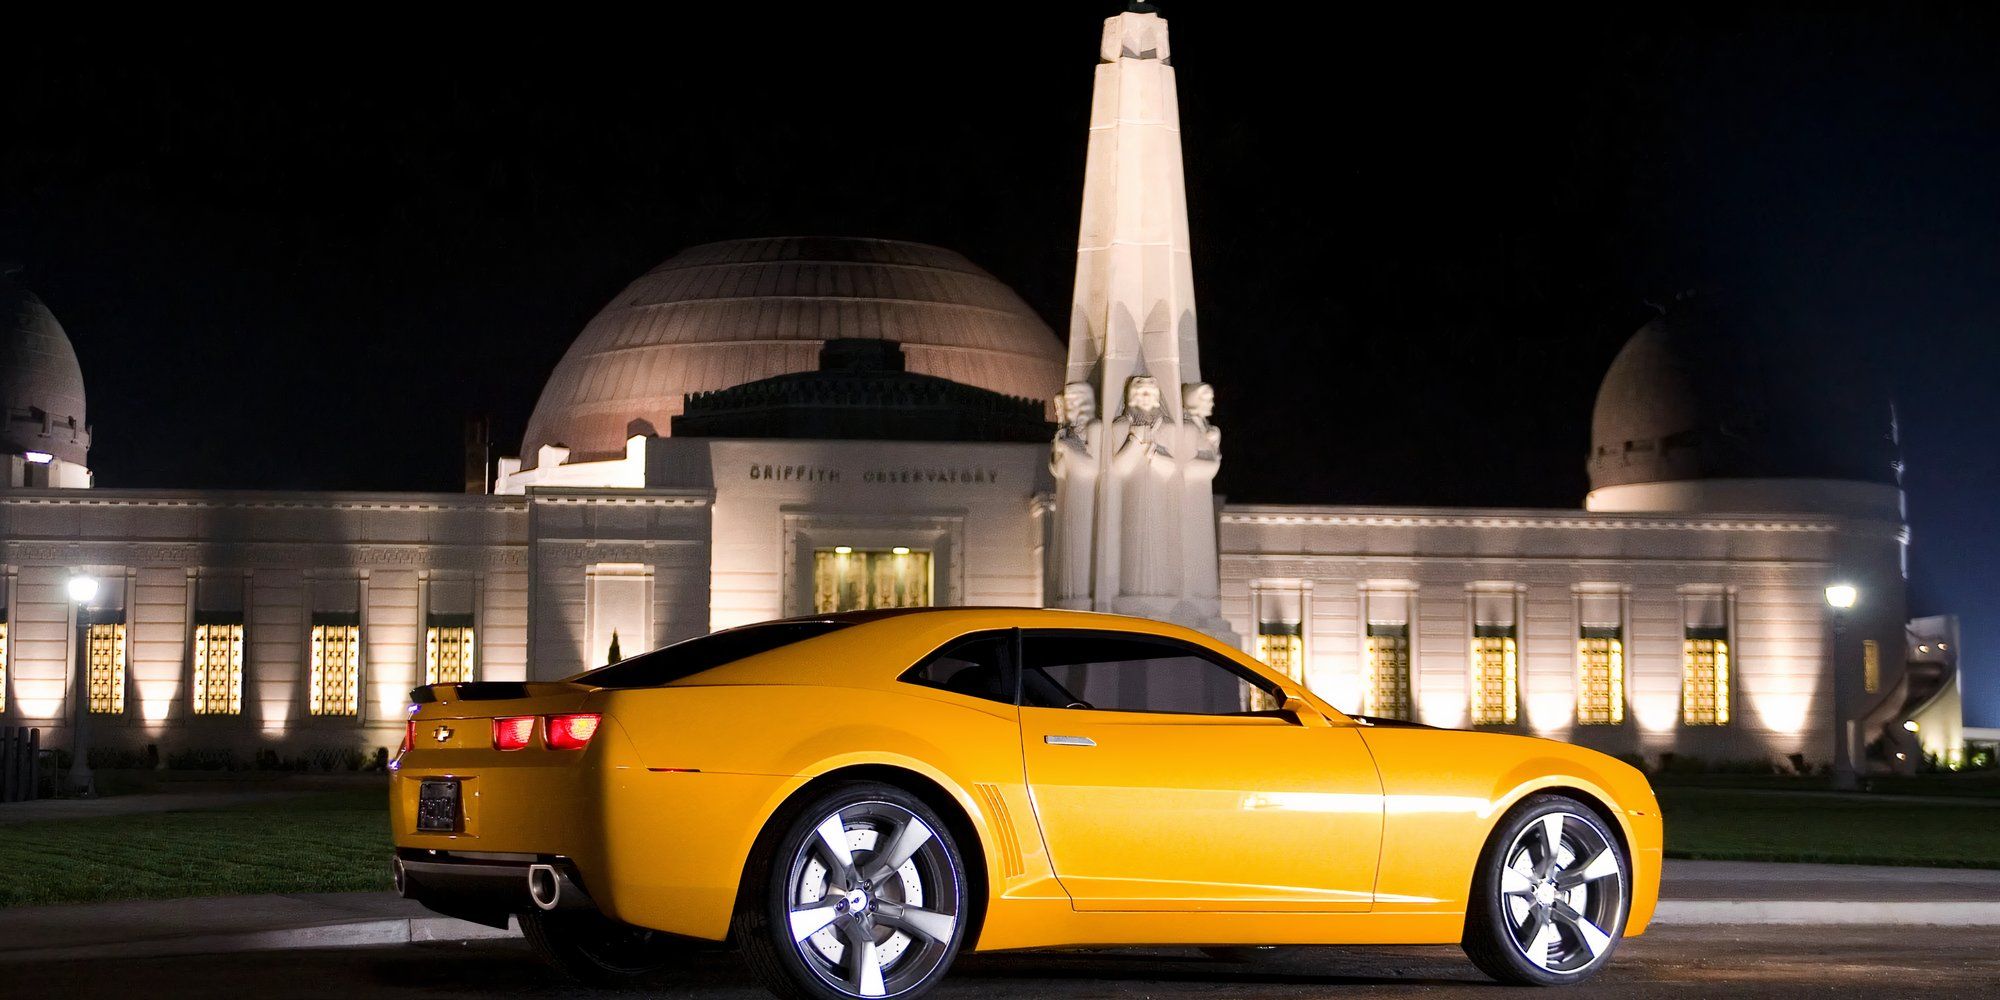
(218, 668)
(335, 685)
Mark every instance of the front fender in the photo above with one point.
(1445, 792)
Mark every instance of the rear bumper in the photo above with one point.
(485, 888)
(662, 849)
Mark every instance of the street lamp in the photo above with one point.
(1841, 597)
(82, 589)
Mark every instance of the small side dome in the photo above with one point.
(1704, 393)
(41, 383)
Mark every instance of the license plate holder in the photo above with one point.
(440, 806)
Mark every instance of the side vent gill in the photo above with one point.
(1008, 842)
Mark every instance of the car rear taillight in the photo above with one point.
(513, 733)
(570, 732)
(409, 737)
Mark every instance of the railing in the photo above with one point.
(20, 763)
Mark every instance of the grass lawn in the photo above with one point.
(1744, 825)
(319, 842)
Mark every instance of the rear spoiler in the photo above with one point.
(469, 691)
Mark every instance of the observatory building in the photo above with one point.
(760, 428)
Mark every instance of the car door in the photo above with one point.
(1163, 780)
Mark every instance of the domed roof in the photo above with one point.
(723, 314)
(41, 384)
(1706, 392)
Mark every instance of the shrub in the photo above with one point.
(1756, 766)
(202, 759)
(116, 759)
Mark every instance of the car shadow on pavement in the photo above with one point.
(495, 967)
(1321, 967)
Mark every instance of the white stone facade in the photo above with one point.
(1767, 574)
(154, 554)
(724, 536)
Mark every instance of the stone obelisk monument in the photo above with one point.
(1136, 454)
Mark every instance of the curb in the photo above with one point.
(360, 933)
(1826, 913)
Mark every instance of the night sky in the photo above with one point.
(301, 257)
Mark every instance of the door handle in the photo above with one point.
(1069, 741)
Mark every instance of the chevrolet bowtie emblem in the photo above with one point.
(442, 735)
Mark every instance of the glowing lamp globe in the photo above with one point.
(82, 589)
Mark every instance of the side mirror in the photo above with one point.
(1302, 713)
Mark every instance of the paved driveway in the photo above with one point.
(1678, 962)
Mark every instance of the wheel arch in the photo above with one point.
(947, 803)
(1596, 803)
(1553, 777)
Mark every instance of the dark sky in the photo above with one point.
(298, 255)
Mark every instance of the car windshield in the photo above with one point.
(702, 653)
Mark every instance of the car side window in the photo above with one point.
(1123, 674)
(975, 666)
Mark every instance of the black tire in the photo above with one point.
(795, 877)
(1570, 910)
(595, 950)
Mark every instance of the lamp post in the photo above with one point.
(82, 592)
(1841, 597)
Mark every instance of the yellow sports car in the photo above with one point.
(851, 799)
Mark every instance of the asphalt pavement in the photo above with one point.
(1713, 963)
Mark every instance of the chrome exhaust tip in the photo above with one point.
(402, 880)
(544, 886)
(552, 888)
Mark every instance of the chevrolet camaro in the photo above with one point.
(851, 799)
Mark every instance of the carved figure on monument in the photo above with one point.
(1148, 536)
(1073, 461)
(1200, 448)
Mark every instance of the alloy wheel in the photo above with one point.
(872, 900)
(1562, 892)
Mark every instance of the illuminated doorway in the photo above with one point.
(851, 579)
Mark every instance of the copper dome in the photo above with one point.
(724, 314)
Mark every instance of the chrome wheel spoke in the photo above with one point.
(867, 967)
(1604, 864)
(1514, 882)
(929, 924)
(1541, 936)
(833, 837)
(1593, 936)
(909, 840)
(1551, 830)
(810, 920)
